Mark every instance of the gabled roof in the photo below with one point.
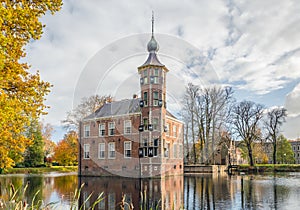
(171, 115)
(123, 107)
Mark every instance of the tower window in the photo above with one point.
(145, 73)
(155, 124)
(155, 98)
(155, 142)
(145, 143)
(145, 123)
(145, 98)
(145, 76)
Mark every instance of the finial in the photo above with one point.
(152, 44)
(152, 23)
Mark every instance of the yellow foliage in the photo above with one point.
(66, 151)
(22, 94)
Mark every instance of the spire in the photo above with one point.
(152, 23)
(152, 44)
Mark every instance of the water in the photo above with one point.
(204, 191)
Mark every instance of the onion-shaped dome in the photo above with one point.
(152, 45)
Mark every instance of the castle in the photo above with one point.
(135, 137)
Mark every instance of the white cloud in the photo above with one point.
(250, 45)
(292, 104)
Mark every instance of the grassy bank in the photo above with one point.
(41, 170)
(261, 168)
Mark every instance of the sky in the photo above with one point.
(95, 46)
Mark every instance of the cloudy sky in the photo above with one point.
(95, 46)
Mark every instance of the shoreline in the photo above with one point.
(40, 170)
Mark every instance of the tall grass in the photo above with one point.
(16, 200)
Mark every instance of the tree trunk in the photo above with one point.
(187, 143)
(250, 155)
(274, 152)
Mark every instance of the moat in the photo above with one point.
(202, 191)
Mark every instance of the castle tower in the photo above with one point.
(153, 143)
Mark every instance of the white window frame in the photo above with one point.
(86, 151)
(145, 79)
(102, 128)
(168, 129)
(127, 147)
(155, 98)
(101, 151)
(87, 130)
(111, 127)
(174, 131)
(167, 150)
(111, 150)
(127, 126)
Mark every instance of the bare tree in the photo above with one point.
(221, 99)
(47, 130)
(213, 105)
(246, 117)
(189, 108)
(86, 107)
(207, 109)
(274, 119)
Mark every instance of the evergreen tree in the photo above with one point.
(34, 154)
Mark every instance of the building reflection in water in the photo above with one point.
(202, 191)
(166, 193)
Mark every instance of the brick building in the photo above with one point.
(135, 137)
(296, 149)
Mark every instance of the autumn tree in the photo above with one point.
(87, 106)
(246, 117)
(22, 93)
(66, 151)
(274, 119)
